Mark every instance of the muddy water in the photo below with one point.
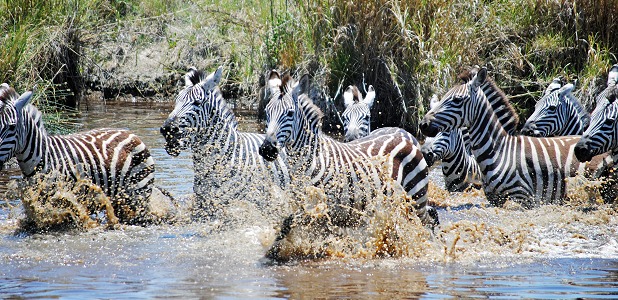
(549, 252)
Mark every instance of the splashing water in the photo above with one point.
(478, 250)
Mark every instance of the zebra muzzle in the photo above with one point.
(582, 152)
(268, 151)
(428, 128)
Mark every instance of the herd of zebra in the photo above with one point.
(472, 130)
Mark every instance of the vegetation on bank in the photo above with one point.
(407, 49)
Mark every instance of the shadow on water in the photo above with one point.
(549, 252)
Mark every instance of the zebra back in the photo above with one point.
(357, 114)
(114, 159)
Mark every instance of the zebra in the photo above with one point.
(357, 114)
(557, 113)
(114, 159)
(224, 158)
(294, 122)
(601, 135)
(599, 138)
(459, 166)
(528, 170)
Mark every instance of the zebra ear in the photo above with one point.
(348, 96)
(371, 95)
(303, 85)
(612, 77)
(23, 100)
(565, 90)
(434, 101)
(554, 85)
(212, 80)
(480, 78)
(274, 80)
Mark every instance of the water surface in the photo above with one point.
(478, 251)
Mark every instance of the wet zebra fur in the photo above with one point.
(599, 138)
(115, 160)
(557, 113)
(528, 170)
(453, 148)
(294, 122)
(357, 114)
(459, 167)
(224, 158)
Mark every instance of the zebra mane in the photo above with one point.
(466, 75)
(581, 111)
(503, 107)
(224, 109)
(311, 112)
(194, 76)
(287, 84)
(356, 93)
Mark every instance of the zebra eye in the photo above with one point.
(552, 107)
(12, 127)
(290, 113)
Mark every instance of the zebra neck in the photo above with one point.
(487, 135)
(33, 142)
(220, 137)
(574, 124)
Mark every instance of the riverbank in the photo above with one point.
(407, 50)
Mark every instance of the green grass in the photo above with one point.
(408, 49)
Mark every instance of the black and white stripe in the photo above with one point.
(525, 169)
(557, 113)
(114, 159)
(294, 122)
(223, 157)
(357, 114)
(459, 166)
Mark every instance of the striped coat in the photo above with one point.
(528, 170)
(294, 122)
(114, 159)
(226, 161)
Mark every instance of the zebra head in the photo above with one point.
(445, 145)
(357, 114)
(554, 111)
(280, 112)
(602, 134)
(455, 108)
(193, 110)
(11, 121)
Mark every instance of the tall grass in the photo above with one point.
(41, 48)
(409, 49)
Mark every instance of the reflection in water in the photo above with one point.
(551, 251)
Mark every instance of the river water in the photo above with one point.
(568, 251)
